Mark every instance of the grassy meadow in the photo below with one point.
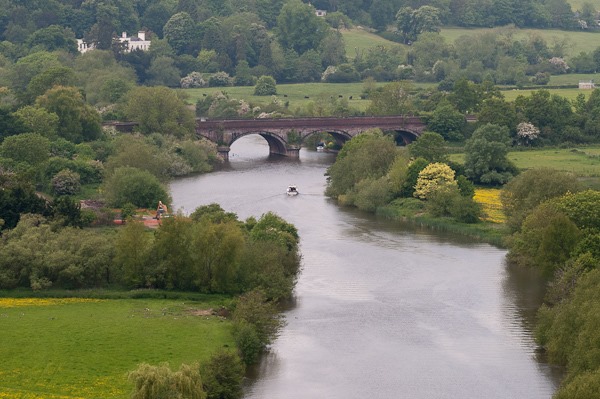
(578, 41)
(359, 40)
(582, 161)
(294, 94)
(84, 348)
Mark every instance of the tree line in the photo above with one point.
(284, 39)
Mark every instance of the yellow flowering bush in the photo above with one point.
(433, 177)
(489, 198)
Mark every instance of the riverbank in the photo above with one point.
(488, 232)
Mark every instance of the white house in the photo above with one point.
(587, 84)
(138, 42)
(320, 13)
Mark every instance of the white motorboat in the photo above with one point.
(292, 190)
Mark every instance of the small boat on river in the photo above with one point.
(292, 190)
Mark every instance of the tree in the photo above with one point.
(435, 176)
(447, 121)
(368, 155)
(392, 99)
(27, 147)
(243, 74)
(46, 80)
(532, 187)
(486, 156)
(265, 86)
(39, 120)
(298, 27)
(411, 23)
(17, 198)
(77, 121)
(159, 382)
(253, 308)
(66, 182)
(180, 32)
(309, 66)
(26, 68)
(430, 146)
(159, 110)
(332, 49)
(53, 38)
(163, 72)
(139, 187)
(223, 376)
(10, 124)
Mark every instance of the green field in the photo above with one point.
(578, 41)
(583, 161)
(571, 94)
(295, 94)
(359, 40)
(77, 349)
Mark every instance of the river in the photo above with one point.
(380, 310)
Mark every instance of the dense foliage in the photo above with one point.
(371, 173)
(224, 256)
(561, 237)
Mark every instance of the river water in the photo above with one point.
(380, 310)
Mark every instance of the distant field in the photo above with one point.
(578, 41)
(573, 78)
(360, 40)
(85, 349)
(571, 94)
(295, 93)
(583, 161)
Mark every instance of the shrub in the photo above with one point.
(193, 80)
(265, 86)
(219, 79)
(153, 382)
(139, 187)
(66, 182)
(432, 178)
(223, 376)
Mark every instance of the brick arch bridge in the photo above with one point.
(286, 135)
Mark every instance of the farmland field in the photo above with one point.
(81, 348)
(571, 94)
(357, 39)
(582, 161)
(578, 41)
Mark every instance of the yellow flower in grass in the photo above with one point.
(489, 199)
(20, 302)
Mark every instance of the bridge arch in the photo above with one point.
(339, 136)
(277, 145)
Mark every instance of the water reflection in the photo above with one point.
(381, 310)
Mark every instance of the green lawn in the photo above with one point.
(86, 349)
(578, 41)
